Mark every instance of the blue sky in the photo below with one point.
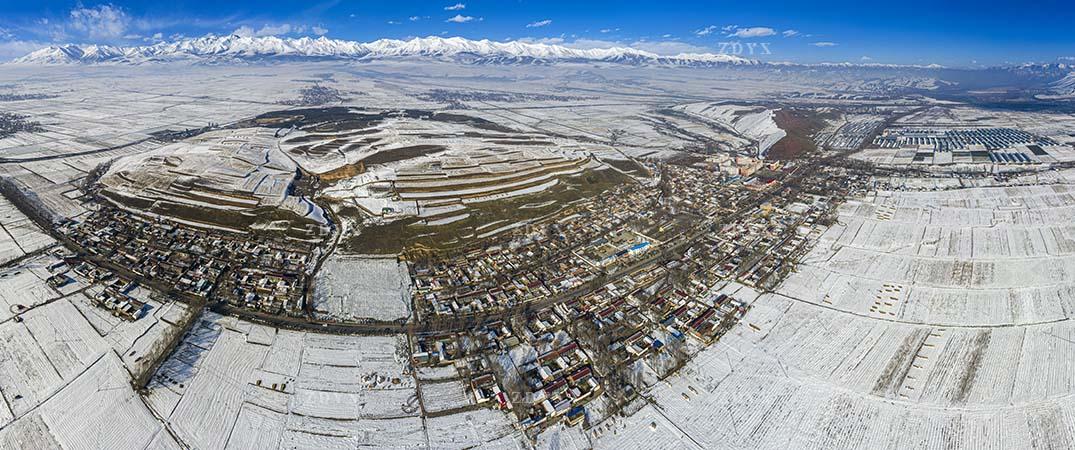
(952, 33)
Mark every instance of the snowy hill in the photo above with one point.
(1065, 86)
(231, 49)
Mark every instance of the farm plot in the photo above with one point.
(472, 429)
(350, 288)
(18, 235)
(51, 346)
(23, 287)
(444, 396)
(816, 378)
(98, 409)
(232, 384)
(212, 399)
(973, 256)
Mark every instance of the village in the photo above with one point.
(586, 307)
(256, 273)
(591, 308)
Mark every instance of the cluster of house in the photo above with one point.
(750, 231)
(759, 248)
(246, 271)
(555, 383)
(119, 303)
(702, 191)
(561, 382)
(465, 351)
(621, 243)
(732, 167)
(114, 295)
(537, 262)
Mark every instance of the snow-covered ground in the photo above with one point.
(234, 171)
(234, 385)
(935, 319)
(351, 288)
(65, 365)
(18, 235)
(756, 124)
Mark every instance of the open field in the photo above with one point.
(355, 288)
(18, 235)
(66, 364)
(233, 384)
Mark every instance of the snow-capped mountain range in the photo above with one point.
(232, 49)
(1056, 79)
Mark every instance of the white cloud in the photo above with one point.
(586, 44)
(459, 18)
(270, 30)
(244, 31)
(414, 18)
(658, 47)
(865, 58)
(705, 31)
(1064, 58)
(668, 47)
(455, 7)
(539, 23)
(15, 48)
(273, 30)
(101, 22)
(790, 33)
(544, 40)
(753, 32)
(318, 30)
(393, 22)
(824, 44)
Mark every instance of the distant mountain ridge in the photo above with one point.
(237, 49)
(1056, 79)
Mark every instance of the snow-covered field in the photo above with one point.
(65, 365)
(935, 319)
(234, 384)
(351, 288)
(95, 410)
(445, 395)
(18, 235)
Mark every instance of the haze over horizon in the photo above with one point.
(955, 34)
